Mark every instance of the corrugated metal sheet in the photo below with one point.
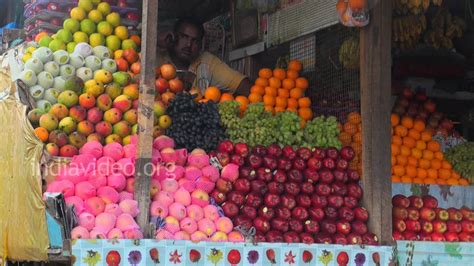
(300, 19)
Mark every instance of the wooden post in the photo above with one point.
(143, 168)
(375, 81)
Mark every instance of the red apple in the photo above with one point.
(415, 202)
(413, 214)
(442, 214)
(455, 214)
(399, 213)
(361, 214)
(439, 226)
(253, 200)
(426, 227)
(343, 227)
(400, 201)
(453, 227)
(438, 237)
(451, 237)
(399, 225)
(427, 214)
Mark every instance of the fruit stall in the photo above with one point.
(140, 166)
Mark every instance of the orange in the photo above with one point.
(396, 179)
(288, 84)
(346, 139)
(283, 93)
(213, 94)
(419, 125)
(281, 102)
(435, 164)
(440, 181)
(426, 136)
(292, 103)
(433, 146)
(136, 39)
(397, 140)
(412, 161)
(226, 97)
(430, 181)
(42, 133)
(444, 173)
(274, 82)
(354, 118)
(271, 91)
(265, 73)
(296, 93)
(357, 138)
(301, 83)
(257, 89)
(421, 173)
(351, 129)
(409, 142)
(402, 160)
(394, 119)
(439, 155)
(243, 102)
(421, 145)
(455, 175)
(293, 110)
(279, 109)
(268, 100)
(302, 123)
(411, 171)
(269, 108)
(452, 182)
(291, 74)
(432, 173)
(393, 160)
(401, 131)
(406, 179)
(418, 180)
(304, 102)
(407, 122)
(398, 170)
(446, 165)
(425, 164)
(255, 98)
(279, 73)
(428, 155)
(203, 100)
(412, 133)
(463, 182)
(405, 151)
(305, 113)
(416, 153)
(261, 82)
(295, 65)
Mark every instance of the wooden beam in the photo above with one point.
(143, 168)
(375, 81)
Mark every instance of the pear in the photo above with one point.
(83, 49)
(36, 92)
(44, 54)
(44, 105)
(34, 64)
(67, 71)
(51, 95)
(76, 60)
(101, 52)
(52, 67)
(28, 76)
(45, 79)
(109, 65)
(93, 62)
(85, 73)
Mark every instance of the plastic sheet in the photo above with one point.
(23, 230)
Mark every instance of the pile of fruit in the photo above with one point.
(444, 28)
(351, 135)
(416, 158)
(258, 126)
(413, 6)
(419, 218)
(181, 207)
(408, 30)
(462, 159)
(292, 195)
(99, 183)
(195, 125)
(282, 90)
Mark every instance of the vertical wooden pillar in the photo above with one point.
(143, 168)
(375, 81)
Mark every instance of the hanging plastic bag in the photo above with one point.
(353, 13)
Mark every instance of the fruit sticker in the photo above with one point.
(215, 256)
(92, 258)
(253, 256)
(307, 256)
(326, 257)
(359, 259)
(155, 255)
(234, 257)
(290, 258)
(194, 255)
(342, 258)
(271, 256)
(175, 257)
(134, 257)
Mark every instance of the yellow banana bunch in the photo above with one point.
(404, 7)
(407, 30)
(444, 28)
(349, 53)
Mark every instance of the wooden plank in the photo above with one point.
(375, 81)
(143, 167)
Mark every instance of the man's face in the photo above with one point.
(188, 43)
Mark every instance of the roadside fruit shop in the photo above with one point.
(353, 106)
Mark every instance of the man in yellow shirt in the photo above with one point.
(182, 48)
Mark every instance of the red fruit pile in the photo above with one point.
(418, 105)
(292, 195)
(419, 218)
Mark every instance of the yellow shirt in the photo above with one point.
(209, 71)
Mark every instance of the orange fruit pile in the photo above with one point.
(282, 90)
(351, 135)
(416, 157)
